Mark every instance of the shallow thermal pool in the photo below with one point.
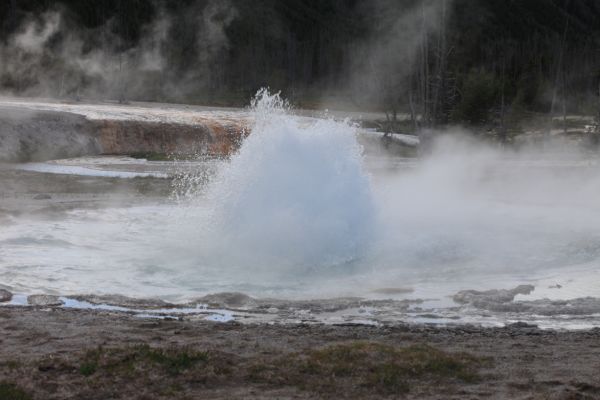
(301, 214)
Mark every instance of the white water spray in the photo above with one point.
(294, 215)
(294, 195)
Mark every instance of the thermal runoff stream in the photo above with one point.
(465, 233)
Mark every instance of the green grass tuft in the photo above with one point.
(88, 368)
(128, 360)
(174, 361)
(10, 391)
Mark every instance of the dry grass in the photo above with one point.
(367, 366)
(347, 370)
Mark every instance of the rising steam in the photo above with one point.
(51, 55)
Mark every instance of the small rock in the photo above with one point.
(557, 286)
(522, 325)
(44, 300)
(5, 296)
(124, 301)
(228, 300)
(42, 196)
(478, 298)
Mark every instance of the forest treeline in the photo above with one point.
(440, 61)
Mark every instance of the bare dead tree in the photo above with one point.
(560, 70)
(424, 78)
(435, 83)
(598, 115)
(594, 133)
(564, 102)
(442, 66)
(411, 104)
(503, 135)
(13, 13)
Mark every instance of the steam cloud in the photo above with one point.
(179, 54)
(51, 55)
(387, 58)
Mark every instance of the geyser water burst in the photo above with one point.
(295, 193)
(293, 215)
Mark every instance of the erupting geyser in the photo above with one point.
(294, 214)
(294, 195)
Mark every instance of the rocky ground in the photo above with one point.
(52, 353)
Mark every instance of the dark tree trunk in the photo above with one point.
(598, 115)
(560, 71)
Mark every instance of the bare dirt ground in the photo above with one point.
(51, 353)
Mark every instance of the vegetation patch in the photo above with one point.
(368, 366)
(346, 370)
(172, 361)
(10, 391)
(10, 364)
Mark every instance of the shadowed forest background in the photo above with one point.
(436, 62)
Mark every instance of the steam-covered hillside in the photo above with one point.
(450, 61)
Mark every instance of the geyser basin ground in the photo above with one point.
(466, 234)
